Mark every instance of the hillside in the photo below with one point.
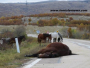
(12, 9)
(35, 19)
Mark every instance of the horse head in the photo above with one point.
(23, 38)
(48, 55)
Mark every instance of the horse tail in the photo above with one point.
(70, 52)
(60, 36)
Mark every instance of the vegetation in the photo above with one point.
(75, 33)
(19, 31)
(82, 31)
(16, 32)
(9, 58)
(62, 15)
(13, 20)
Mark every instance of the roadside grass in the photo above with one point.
(11, 59)
(30, 29)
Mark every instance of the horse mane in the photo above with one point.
(46, 35)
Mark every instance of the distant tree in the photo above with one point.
(63, 22)
(86, 36)
(40, 22)
(70, 32)
(10, 21)
(81, 26)
(70, 18)
(29, 23)
(29, 19)
(62, 15)
(55, 21)
(2, 18)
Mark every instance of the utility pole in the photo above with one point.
(26, 2)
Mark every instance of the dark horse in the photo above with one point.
(20, 39)
(55, 49)
(44, 36)
(10, 41)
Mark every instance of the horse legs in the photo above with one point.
(52, 40)
(40, 43)
(39, 40)
(33, 55)
(58, 39)
(49, 40)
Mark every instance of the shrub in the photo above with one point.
(70, 32)
(77, 34)
(86, 36)
(19, 31)
(64, 32)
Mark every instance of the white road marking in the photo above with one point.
(32, 64)
(80, 44)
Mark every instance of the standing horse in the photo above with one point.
(20, 39)
(10, 41)
(43, 36)
(56, 36)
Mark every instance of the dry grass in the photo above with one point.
(11, 59)
(32, 29)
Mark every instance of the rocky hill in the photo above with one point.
(12, 9)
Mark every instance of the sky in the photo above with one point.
(16, 1)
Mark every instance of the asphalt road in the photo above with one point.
(81, 60)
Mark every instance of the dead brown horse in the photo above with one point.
(55, 49)
(44, 36)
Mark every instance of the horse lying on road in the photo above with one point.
(55, 49)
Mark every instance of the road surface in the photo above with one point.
(82, 60)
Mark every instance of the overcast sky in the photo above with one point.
(15, 1)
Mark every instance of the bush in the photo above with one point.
(64, 32)
(86, 36)
(77, 34)
(19, 31)
(6, 33)
(70, 32)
